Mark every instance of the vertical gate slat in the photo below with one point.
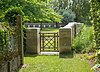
(54, 42)
(40, 42)
(43, 41)
(57, 41)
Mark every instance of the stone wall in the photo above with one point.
(78, 27)
(10, 66)
(66, 35)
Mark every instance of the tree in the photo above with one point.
(33, 11)
(68, 16)
(81, 9)
(41, 12)
(6, 5)
(59, 4)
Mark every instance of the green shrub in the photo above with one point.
(83, 42)
(68, 16)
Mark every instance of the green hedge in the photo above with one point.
(95, 16)
(95, 19)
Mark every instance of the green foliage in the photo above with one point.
(2, 38)
(95, 19)
(32, 11)
(83, 42)
(81, 9)
(68, 16)
(8, 48)
(60, 4)
(40, 12)
(11, 14)
(3, 42)
(5, 5)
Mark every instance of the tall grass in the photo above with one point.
(83, 42)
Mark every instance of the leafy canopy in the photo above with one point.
(32, 10)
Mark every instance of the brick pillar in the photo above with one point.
(65, 40)
(32, 41)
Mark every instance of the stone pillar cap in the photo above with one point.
(66, 27)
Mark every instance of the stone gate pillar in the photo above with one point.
(65, 39)
(32, 40)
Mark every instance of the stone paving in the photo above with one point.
(49, 53)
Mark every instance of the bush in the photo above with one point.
(83, 42)
(68, 16)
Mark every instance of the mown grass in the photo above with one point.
(50, 29)
(55, 64)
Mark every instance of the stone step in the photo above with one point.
(49, 53)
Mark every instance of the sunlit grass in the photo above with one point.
(55, 64)
(50, 29)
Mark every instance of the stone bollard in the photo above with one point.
(32, 40)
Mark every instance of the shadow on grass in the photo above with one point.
(67, 55)
(61, 55)
(30, 55)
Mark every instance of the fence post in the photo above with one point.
(20, 39)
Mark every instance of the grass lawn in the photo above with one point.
(55, 64)
(50, 29)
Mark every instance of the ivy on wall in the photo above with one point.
(95, 19)
(3, 43)
(8, 39)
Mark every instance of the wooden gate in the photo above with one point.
(49, 41)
